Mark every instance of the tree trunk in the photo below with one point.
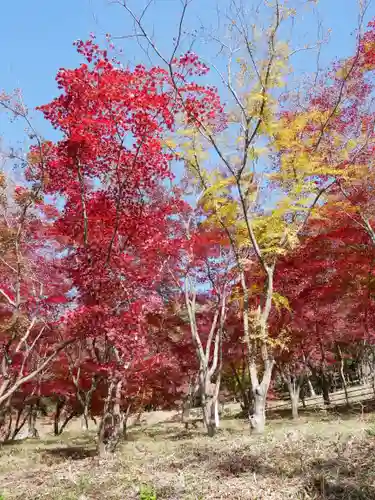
(365, 370)
(342, 374)
(246, 402)
(207, 371)
(210, 403)
(216, 414)
(84, 422)
(294, 389)
(244, 392)
(257, 416)
(294, 385)
(188, 402)
(56, 420)
(294, 398)
(85, 415)
(19, 423)
(5, 430)
(137, 420)
(111, 425)
(68, 418)
(85, 401)
(363, 358)
(260, 389)
(208, 408)
(125, 422)
(311, 388)
(8, 429)
(185, 414)
(32, 417)
(325, 389)
(209, 416)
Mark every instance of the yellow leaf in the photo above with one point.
(280, 301)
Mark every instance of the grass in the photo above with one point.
(313, 459)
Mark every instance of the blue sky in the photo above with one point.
(36, 39)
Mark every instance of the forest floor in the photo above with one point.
(318, 457)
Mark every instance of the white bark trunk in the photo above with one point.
(311, 389)
(209, 405)
(217, 419)
(210, 363)
(294, 398)
(209, 417)
(258, 416)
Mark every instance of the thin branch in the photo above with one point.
(6, 395)
(4, 294)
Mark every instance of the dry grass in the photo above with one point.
(315, 459)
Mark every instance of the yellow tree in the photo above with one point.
(262, 174)
(240, 194)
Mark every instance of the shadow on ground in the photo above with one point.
(69, 452)
(238, 464)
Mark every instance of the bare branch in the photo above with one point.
(4, 294)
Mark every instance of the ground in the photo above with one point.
(319, 457)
